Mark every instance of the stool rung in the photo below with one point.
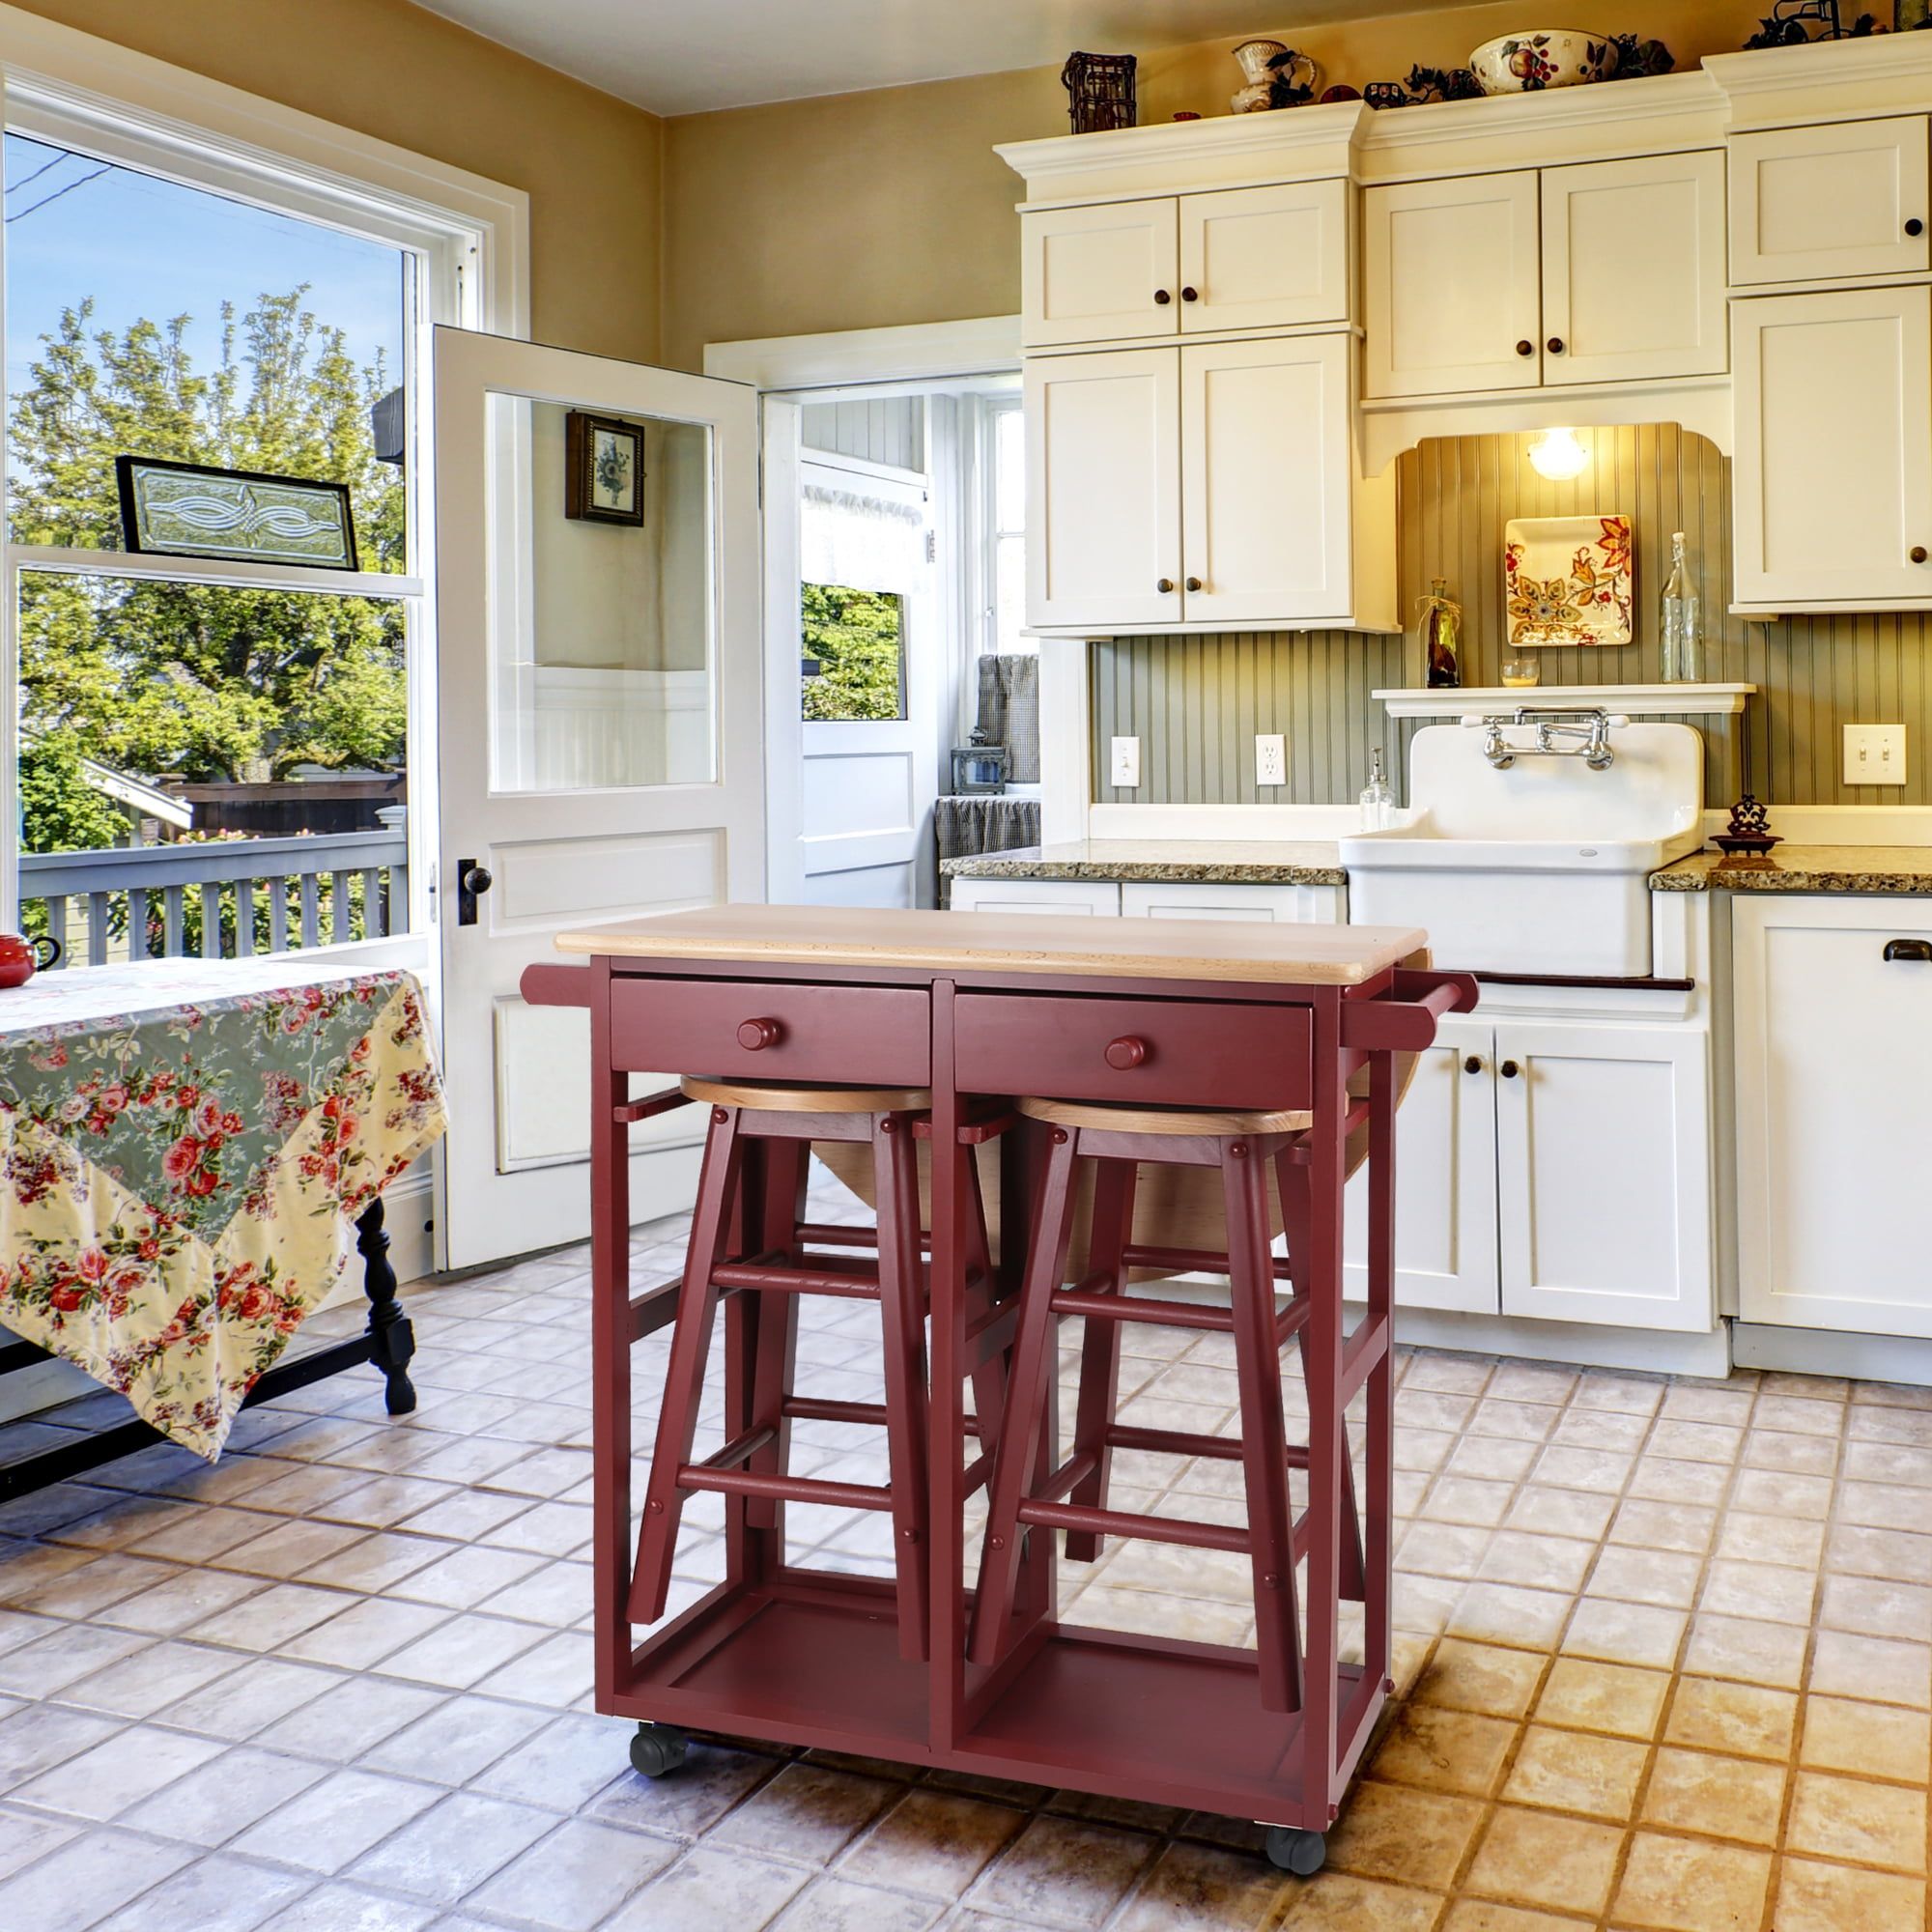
(1291, 1318)
(1066, 1478)
(1360, 1355)
(739, 1450)
(1149, 1528)
(813, 1408)
(784, 1489)
(976, 1475)
(795, 1281)
(1143, 1308)
(654, 1309)
(1174, 1442)
(831, 1234)
(1188, 1260)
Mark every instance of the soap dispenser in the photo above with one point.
(1377, 801)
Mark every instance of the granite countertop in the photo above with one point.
(1166, 862)
(1803, 868)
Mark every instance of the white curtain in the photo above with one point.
(862, 542)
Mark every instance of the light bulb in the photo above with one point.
(1557, 455)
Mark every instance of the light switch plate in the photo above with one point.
(1874, 755)
(1125, 761)
(1270, 758)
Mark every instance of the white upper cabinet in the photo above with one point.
(1266, 465)
(1265, 257)
(1833, 496)
(1100, 273)
(1849, 198)
(1633, 268)
(1450, 287)
(1103, 489)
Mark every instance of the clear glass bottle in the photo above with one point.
(1377, 801)
(1683, 630)
(1438, 623)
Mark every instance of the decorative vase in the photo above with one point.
(1438, 629)
(1266, 65)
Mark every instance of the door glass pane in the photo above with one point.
(602, 617)
(854, 653)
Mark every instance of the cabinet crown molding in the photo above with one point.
(1826, 80)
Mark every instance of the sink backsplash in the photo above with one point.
(1196, 704)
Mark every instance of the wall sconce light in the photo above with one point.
(1557, 455)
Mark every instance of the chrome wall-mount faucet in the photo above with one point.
(1587, 733)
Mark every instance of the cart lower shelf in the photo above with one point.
(815, 1663)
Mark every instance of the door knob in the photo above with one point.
(1191, 295)
(1918, 951)
(1917, 552)
(1915, 226)
(1557, 345)
(1165, 585)
(472, 881)
(1162, 296)
(755, 1036)
(1525, 347)
(1126, 1052)
(1194, 583)
(1473, 1065)
(1509, 1069)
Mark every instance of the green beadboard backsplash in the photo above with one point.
(1196, 704)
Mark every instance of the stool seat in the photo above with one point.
(1208, 1123)
(771, 1097)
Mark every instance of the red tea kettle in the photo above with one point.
(20, 958)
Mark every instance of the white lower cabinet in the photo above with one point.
(1100, 897)
(1555, 1170)
(1834, 1055)
(1293, 905)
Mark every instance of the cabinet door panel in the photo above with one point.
(1265, 257)
(1451, 285)
(1445, 1183)
(1604, 1175)
(1834, 200)
(1099, 898)
(1255, 904)
(1834, 1067)
(1633, 268)
(1103, 498)
(1266, 512)
(1834, 467)
(1098, 274)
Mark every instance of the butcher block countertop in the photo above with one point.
(1184, 862)
(986, 941)
(1803, 868)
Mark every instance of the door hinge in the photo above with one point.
(932, 547)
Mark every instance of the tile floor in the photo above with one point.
(1665, 1655)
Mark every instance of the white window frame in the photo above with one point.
(987, 410)
(469, 237)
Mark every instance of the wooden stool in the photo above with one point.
(749, 1243)
(1119, 1141)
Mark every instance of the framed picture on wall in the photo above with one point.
(603, 468)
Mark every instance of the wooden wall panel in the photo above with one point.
(1196, 704)
(879, 429)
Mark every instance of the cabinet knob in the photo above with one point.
(1915, 226)
(1126, 1052)
(1509, 1069)
(1917, 552)
(1557, 345)
(1525, 347)
(1194, 583)
(1916, 952)
(1162, 296)
(755, 1036)
(1165, 586)
(1191, 295)
(1473, 1065)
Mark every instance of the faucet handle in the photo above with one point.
(1616, 722)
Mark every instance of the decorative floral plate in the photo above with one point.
(1566, 579)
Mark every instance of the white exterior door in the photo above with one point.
(1265, 257)
(1445, 1182)
(1103, 489)
(1633, 268)
(1099, 274)
(1266, 515)
(1452, 291)
(1834, 465)
(1833, 1048)
(1604, 1175)
(1848, 198)
(598, 737)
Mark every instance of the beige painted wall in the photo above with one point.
(590, 163)
(864, 210)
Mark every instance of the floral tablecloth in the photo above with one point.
(179, 1183)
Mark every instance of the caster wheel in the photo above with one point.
(658, 1750)
(1303, 1853)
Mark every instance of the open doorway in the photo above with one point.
(896, 545)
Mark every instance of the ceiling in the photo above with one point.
(692, 56)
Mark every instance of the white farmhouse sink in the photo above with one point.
(1537, 868)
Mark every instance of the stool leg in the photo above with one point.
(684, 1379)
(1292, 1177)
(1034, 1364)
(903, 1317)
(777, 1345)
(1100, 1346)
(1263, 1439)
(989, 1377)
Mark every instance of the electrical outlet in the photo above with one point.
(1874, 755)
(1124, 767)
(1270, 758)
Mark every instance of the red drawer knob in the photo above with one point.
(755, 1036)
(1126, 1052)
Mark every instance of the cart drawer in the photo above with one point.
(1168, 1053)
(766, 1030)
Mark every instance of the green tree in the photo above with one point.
(858, 638)
(189, 680)
(60, 812)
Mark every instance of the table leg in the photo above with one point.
(393, 1341)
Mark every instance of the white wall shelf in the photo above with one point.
(1648, 701)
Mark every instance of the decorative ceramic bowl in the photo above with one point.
(1528, 63)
